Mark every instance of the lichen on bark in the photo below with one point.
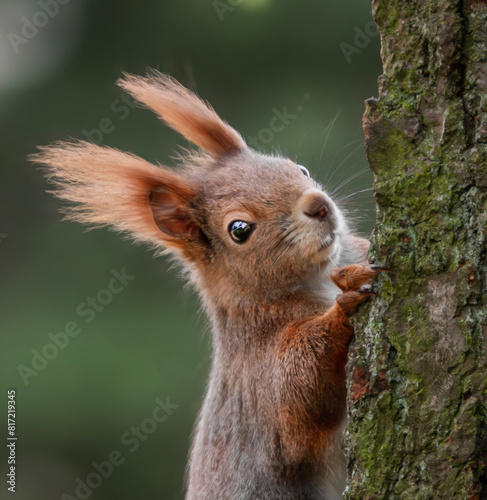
(418, 367)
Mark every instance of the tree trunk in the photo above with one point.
(418, 367)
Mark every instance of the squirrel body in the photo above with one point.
(278, 272)
(256, 429)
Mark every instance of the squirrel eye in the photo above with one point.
(304, 170)
(239, 231)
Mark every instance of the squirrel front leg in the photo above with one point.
(311, 358)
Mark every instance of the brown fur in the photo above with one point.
(275, 405)
(183, 111)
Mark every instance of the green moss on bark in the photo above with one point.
(418, 367)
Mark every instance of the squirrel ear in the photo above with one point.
(120, 190)
(183, 111)
(170, 214)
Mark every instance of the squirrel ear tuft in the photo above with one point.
(120, 190)
(183, 111)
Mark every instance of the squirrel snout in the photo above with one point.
(315, 204)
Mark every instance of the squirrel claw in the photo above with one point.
(354, 276)
(380, 268)
(355, 281)
(367, 290)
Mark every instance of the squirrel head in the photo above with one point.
(248, 226)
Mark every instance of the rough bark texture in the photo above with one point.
(418, 368)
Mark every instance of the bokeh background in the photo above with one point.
(317, 60)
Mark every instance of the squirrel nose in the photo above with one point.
(318, 210)
(316, 205)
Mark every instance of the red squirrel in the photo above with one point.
(279, 274)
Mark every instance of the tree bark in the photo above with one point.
(418, 366)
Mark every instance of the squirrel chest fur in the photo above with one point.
(278, 272)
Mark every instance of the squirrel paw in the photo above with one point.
(355, 281)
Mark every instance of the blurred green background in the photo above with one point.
(248, 58)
